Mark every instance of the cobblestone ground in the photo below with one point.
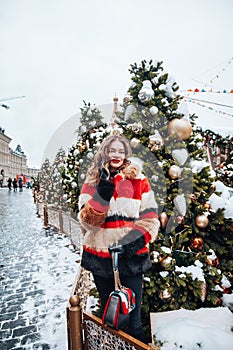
(38, 269)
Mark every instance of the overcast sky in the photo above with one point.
(58, 53)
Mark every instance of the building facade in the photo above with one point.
(13, 163)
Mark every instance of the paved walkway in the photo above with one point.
(37, 272)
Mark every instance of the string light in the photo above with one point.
(213, 103)
(208, 107)
(220, 72)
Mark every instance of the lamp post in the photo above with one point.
(5, 106)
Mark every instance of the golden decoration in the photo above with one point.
(180, 127)
(174, 172)
(201, 221)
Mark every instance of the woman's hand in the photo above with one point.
(105, 188)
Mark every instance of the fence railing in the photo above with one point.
(84, 330)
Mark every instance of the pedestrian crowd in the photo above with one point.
(16, 183)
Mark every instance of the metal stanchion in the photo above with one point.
(45, 212)
(60, 221)
(74, 324)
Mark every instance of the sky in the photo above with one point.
(58, 53)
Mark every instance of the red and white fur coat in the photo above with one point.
(129, 219)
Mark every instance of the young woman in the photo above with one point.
(117, 206)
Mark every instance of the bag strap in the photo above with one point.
(117, 281)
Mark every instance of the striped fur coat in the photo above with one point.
(129, 219)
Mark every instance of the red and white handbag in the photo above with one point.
(120, 302)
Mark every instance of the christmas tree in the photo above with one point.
(193, 256)
(45, 181)
(90, 134)
(90, 118)
(57, 197)
(192, 259)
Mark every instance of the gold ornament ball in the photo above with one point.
(201, 221)
(174, 172)
(180, 127)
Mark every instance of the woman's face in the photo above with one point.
(116, 154)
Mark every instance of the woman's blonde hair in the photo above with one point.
(102, 158)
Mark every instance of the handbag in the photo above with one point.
(121, 301)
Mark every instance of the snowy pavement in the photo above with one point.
(37, 273)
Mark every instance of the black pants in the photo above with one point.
(106, 285)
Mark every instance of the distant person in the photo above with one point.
(1, 180)
(9, 183)
(15, 185)
(28, 184)
(20, 181)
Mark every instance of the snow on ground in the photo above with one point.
(203, 329)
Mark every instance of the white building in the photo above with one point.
(13, 163)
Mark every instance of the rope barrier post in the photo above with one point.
(45, 212)
(74, 324)
(60, 221)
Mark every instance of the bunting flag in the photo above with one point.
(221, 71)
(203, 103)
(224, 91)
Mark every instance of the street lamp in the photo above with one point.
(8, 99)
(5, 106)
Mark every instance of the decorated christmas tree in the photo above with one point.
(90, 134)
(57, 197)
(193, 255)
(90, 118)
(45, 181)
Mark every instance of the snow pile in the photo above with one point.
(205, 329)
(194, 270)
(222, 201)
